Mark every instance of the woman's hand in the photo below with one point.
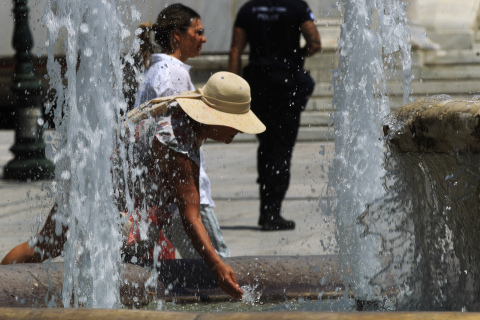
(227, 280)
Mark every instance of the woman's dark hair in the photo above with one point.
(175, 16)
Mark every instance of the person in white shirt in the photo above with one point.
(180, 34)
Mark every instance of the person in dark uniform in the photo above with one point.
(280, 89)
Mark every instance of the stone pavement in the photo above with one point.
(232, 171)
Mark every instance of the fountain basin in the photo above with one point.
(433, 164)
(439, 124)
(184, 281)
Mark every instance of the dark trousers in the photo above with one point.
(278, 106)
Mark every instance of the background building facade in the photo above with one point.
(445, 50)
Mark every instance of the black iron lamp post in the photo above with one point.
(30, 162)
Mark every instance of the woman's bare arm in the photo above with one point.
(183, 183)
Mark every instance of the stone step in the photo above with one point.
(439, 66)
(434, 87)
(305, 134)
(322, 96)
(315, 118)
(320, 103)
(451, 57)
(452, 72)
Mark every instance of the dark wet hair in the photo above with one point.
(175, 16)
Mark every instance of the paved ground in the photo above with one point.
(23, 206)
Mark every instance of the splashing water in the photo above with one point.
(372, 32)
(87, 113)
(250, 296)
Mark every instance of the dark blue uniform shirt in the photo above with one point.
(273, 31)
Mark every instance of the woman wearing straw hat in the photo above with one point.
(168, 133)
(180, 34)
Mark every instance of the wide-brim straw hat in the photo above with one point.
(224, 100)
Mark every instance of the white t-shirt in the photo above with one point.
(168, 76)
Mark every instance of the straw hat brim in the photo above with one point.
(201, 112)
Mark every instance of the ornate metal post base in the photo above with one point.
(30, 162)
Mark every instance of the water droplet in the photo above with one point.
(88, 52)
(65, 175)
(84, 28)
